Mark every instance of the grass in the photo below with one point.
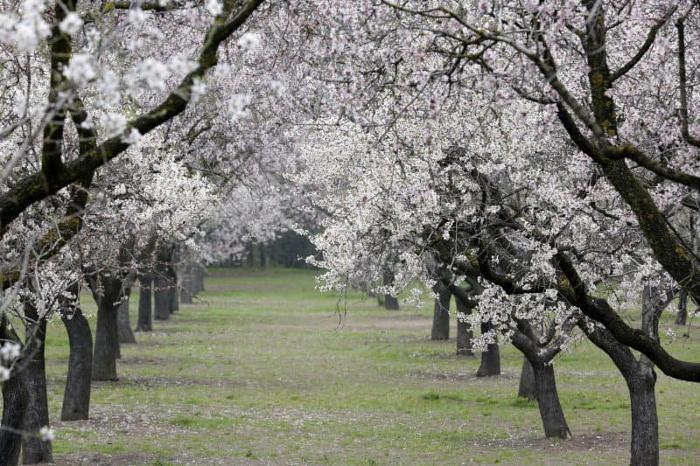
(261, 372)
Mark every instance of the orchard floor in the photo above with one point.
(261, 372)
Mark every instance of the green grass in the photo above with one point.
(262, 371)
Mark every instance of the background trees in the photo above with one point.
(537, 162)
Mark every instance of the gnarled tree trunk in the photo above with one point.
(162, 299)
(14, 405)
(145, 320)
(547, 397)
(526, 388)
(34, 449)
(645, 424)
(491, 358)
(391, 303)
(76, 397)
(126, 335)
(682, 316)
(441, 313)
(104, 362)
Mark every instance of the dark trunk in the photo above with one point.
(104, 363)
(465, 305)
(391, 303)
(645, 425)
(36, 415)
(640, 378)
(548, 402)
(76, 397)
(682, 316)
(526, 389)
(441, 313)
(491, 358)
(145, 321)
(15, 399)
(162, 301)
(126, 335)
(464, 337)
(174, 300)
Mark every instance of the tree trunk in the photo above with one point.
(645, 424)
(126, 335)
(640, 378)
(548, 402)
(491, 358)
(145, 320)
(186, 285)
(14, 404)
(173, 291)
(682, 316)
(104, 363)
(76, 397)
(162, 300)
(15, 399)
(527, 389)
(464, 337)
(441, 313)
(36, 415)
(391, 303)
(465, 305)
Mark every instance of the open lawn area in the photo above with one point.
(264, 370)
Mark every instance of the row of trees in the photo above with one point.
(545, 153)
(542, 150)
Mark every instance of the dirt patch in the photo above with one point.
(581, 442)
(118, 459)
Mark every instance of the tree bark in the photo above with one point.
(491, 358)
(15, 399)
(162, 301)
(391, 303)
(682, 316)
(441, 313)
(76, 397)
(145, 320)
(526, 388)
(36, 415)
(173, 290)
(645, 424)
(126, 335)
(104, 363)
(465, 305)
(548, 401)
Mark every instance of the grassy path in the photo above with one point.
(260, 373)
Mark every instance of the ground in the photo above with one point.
(264, 370)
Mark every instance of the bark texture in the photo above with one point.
(108, 294)
(441, 313)
(15, 400)
(391, 303)
(145, 320)
(33, 376)
(547, 396)
(76, 397)
(491, 358)
(526, 388)
(126, 335)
